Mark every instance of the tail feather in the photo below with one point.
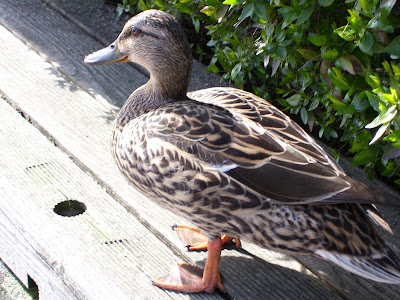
(381, 268)
(376, 217)
(363, 193)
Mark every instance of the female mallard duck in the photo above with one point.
(233, 164)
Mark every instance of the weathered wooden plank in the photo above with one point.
(104, 253)
(65, 45)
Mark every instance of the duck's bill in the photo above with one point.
(110, 54)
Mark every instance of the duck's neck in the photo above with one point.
(157, 92)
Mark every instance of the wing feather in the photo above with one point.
(250, 141)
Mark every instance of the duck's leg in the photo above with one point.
(190, 279)
(195, 240)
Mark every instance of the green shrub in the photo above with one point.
(334, 64)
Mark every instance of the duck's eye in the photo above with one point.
(135, 30)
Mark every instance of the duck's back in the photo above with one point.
(228, 137)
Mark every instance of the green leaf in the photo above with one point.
(298, 36)
(329, 132)
(212, 69)
(307, 54)
(305, 14)
(391, 166)
(281, 51)
(394, 47)
(197, 25)
(354, 18)
(393, 137)
(334, 134)
(285, 43)
(304, 115)
(318, 40)
(212, 43)
(391, 98)
(247, 10)
(305, 79)
(233, 2)
(183, 7)
(338, 79)
(121, 9)
(367, 5)
(266, 61)
(280, 35)
(143, 5)
(321, 132)
(348, 32)
(288, 78)
(358, 104)
(313, 104)
(325, 3)
(294, 100)
(379, 133)
(338, 105)
(373, 100)
(357, 147)
(386, 6)
(330, 55)
(375, 81)
(364, 157)
(364, 137)
(383, 118)
(259, 9)
(366, 42)
(275, 65)
(222, 12)
(238, 81)
(214, 3)
(376, 48)
(289, 19)
(387, 66)
(208, 10)
(236, 69)
(346, 65)
(351, 64)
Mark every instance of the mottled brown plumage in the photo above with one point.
(234, 164)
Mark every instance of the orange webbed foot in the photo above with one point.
(195, 240)
(190, 279)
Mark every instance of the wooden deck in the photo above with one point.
(56, 117)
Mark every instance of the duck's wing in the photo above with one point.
(298, 172)
(252, 143)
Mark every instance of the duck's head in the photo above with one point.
(155, 40)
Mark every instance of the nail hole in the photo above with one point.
(70, 208)
(37, 166)
(121, 241)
